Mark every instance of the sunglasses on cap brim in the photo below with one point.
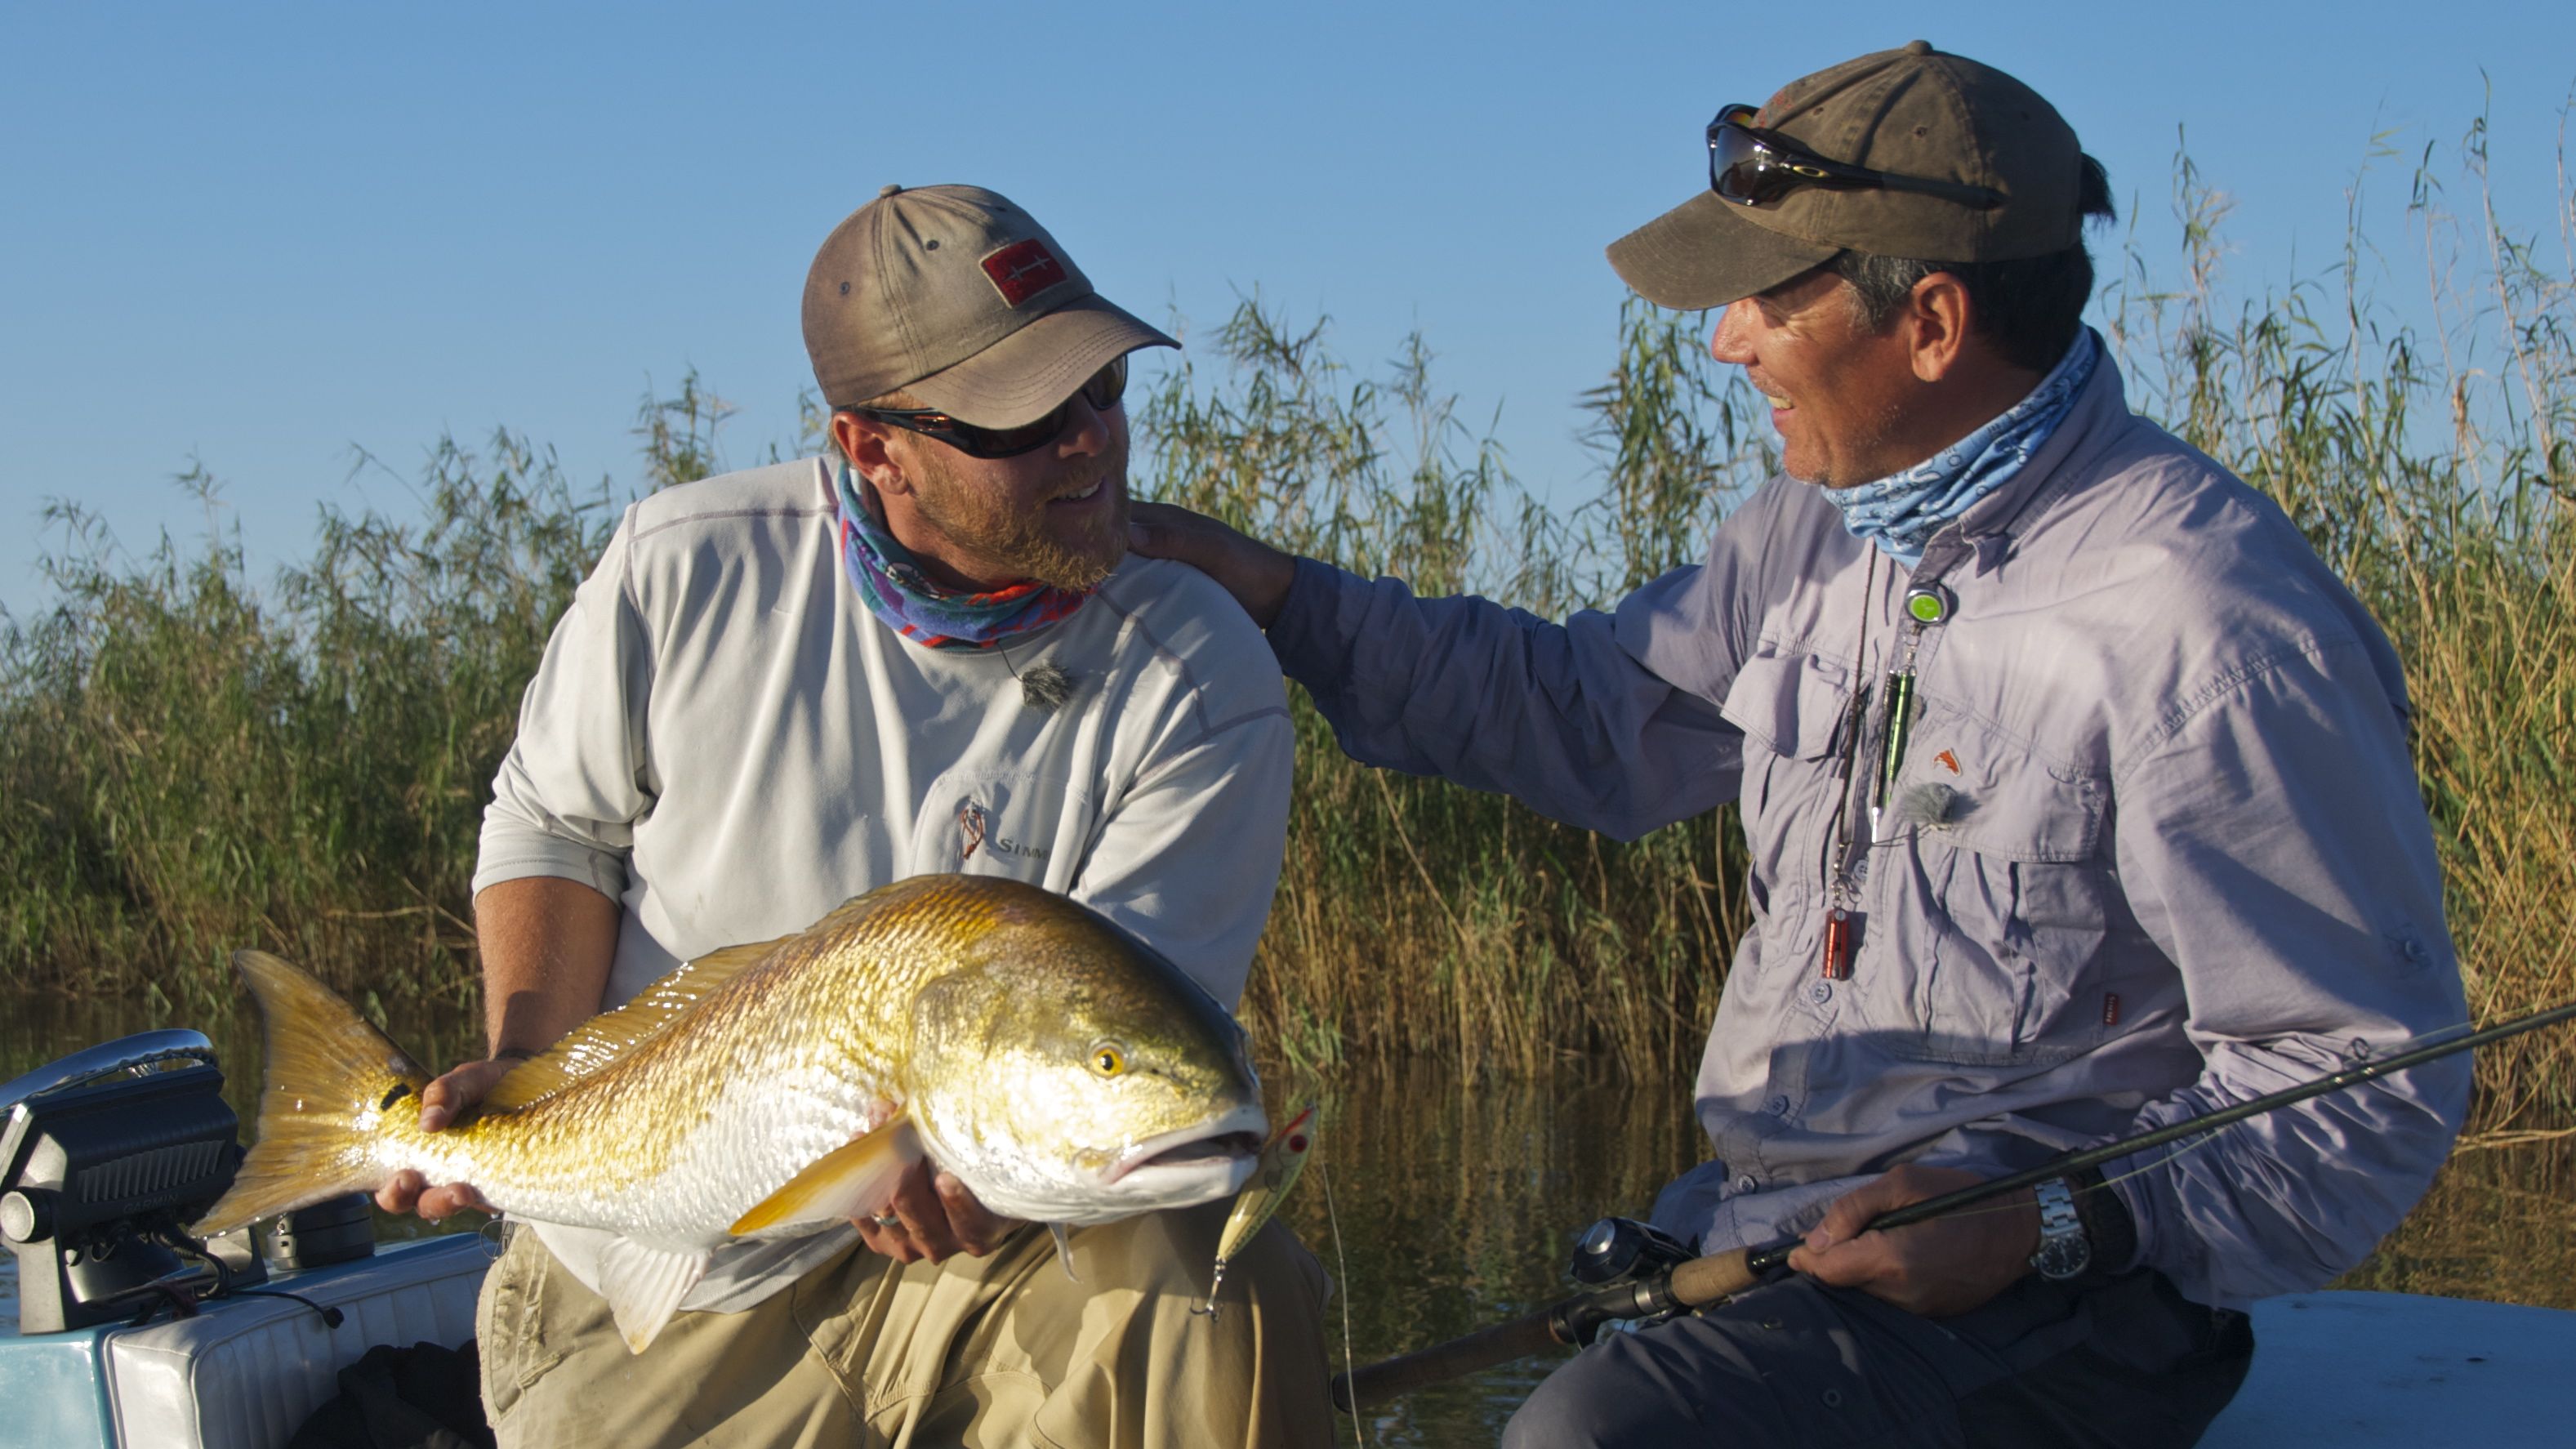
(1103, 391)
(1751, 166)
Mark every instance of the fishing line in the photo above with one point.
(1333, 1220)
(2200, 1140)
(2174, 1150)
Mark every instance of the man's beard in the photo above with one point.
(1032, 545)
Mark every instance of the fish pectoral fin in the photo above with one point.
(1064, 1250)
(847, 1182)
(644, 1286)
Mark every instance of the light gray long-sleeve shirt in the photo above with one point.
(2159, 846)
(725, 741)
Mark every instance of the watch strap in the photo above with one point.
(2107, 1222)
(2064, 1251)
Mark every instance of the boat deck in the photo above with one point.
(2361, 1370)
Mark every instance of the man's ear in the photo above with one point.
(1937, 320)
(867, 443)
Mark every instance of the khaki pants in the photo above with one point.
(995, 1351)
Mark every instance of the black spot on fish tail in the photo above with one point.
(393, 1094)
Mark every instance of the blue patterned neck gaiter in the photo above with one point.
(1902, 511)
(891, 582)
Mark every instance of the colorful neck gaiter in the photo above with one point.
(896, 590)
(1902, 511)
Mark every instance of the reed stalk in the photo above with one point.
(190, 762)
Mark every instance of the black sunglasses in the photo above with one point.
(1103, 391)
(1754, 167)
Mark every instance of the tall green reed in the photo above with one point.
(189, 763)
(192, 764)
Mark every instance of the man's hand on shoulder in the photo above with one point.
(442, 1102)
(935, 1218)
(1255, 573)
(1936, 1269)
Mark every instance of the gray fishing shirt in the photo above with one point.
(2159, 847)
(726, 742)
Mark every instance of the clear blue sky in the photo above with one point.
(259, 236)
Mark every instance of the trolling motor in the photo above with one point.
(107, 1156)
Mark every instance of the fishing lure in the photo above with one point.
(1281, 1160)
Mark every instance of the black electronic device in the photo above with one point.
(106, 1158)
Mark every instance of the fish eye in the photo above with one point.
(1109, 1059)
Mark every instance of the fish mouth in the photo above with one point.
(1206, 1149)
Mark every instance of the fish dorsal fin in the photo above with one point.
(850, 1181)
(604, 1038)
(644, 1286)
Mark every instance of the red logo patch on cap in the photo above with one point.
(1022, 270)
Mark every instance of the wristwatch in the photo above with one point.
(2064, 1251)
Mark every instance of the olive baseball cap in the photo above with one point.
(962, 299)
(1911, 112)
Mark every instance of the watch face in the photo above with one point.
(2063, 1257)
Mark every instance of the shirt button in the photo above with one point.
(1746, 1183)
(1821, 992)
(1777, 1106)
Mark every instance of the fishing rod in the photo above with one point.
(1700, 1282)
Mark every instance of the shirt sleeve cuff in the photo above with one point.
(516, 859)
(1304, 635)
(2126, 1179)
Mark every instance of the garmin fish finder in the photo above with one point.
(106, 1157)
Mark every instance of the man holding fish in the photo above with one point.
(785, 686)
(2075, 787)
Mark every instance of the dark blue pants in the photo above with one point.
(2127, 1364)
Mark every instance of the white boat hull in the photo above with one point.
(2361, 1370)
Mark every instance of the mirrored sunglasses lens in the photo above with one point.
(1740, 168)
(1005, 442)
(1107, 385)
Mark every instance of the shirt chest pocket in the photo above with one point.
(1026, 825)
(1993, 906)
(1791, 708)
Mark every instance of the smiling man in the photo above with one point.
(2075, 789)
(783, 687)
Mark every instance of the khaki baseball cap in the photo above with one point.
(959, 297)
(1913, 112)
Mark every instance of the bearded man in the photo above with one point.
(785, 686)
(2075, 788)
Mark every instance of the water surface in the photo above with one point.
(1440, 1207)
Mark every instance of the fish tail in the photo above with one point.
(331, 1082)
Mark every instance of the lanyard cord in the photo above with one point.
(1838, 891)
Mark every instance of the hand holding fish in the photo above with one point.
(935, 1217)
(444, 1100)
(1946, 1266)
